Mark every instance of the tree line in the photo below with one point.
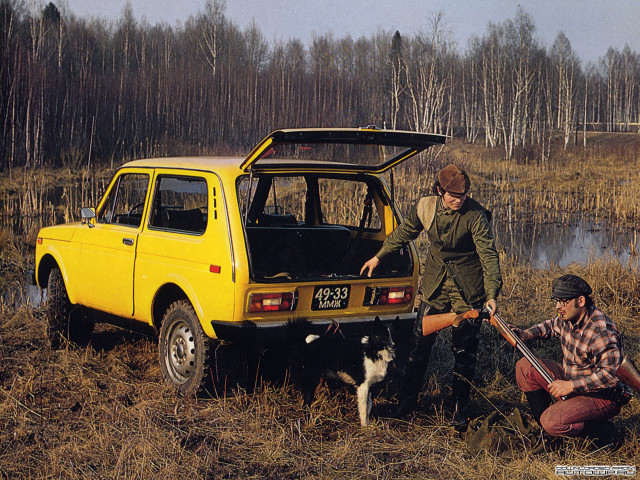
(77, 91)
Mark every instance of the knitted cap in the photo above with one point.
(454, 179)
(570, 286)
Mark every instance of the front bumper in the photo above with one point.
(248, 331)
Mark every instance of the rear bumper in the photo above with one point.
(248, 331)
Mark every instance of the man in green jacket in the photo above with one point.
(462, 271)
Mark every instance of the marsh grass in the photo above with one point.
(104, 412)
(34, 199)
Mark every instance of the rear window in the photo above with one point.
(180, 204)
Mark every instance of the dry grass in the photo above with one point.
(103, 411)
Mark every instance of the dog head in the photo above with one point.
(379, 344)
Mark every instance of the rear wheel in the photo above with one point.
(65, 321)
(183, 349)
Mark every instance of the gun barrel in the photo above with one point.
(515, 341)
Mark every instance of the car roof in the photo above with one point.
(205, 163)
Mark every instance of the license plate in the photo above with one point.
(330, 298)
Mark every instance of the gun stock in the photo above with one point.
(435, 323)
(503, 330)
(628, 373)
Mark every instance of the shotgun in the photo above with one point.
(628, 373)
(515, 341)
(434, 323)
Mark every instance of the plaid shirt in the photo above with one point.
(591, 348)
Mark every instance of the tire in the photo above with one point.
(66, 322)
(183, 349)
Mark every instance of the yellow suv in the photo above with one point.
(208, 249)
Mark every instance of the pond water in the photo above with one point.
(15, 295)
(572, 240)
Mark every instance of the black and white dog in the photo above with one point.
(359, 362)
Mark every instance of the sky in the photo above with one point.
(592, 26)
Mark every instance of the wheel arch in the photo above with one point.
(165, 296)
(47, 263)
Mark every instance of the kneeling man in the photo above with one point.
(592, 353)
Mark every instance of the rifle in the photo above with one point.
(434, 323)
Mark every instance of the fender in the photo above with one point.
(54, 253)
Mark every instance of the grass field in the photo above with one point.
(104, 412)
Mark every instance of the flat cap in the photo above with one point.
(454, 179)
(570, 286)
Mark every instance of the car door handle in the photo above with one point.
(127, 241)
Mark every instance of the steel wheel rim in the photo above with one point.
(180, 353)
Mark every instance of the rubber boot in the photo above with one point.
(461, 390)
(603, 434)
(416, 366)
(464, 343)
(539, 401)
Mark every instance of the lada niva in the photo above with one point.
(207, 249)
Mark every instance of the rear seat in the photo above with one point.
(297, 249)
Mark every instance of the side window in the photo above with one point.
(343, 203)
(287, 197)
(180, 203)
(273, 200)
(125, 202)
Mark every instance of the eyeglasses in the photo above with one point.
(562, 301)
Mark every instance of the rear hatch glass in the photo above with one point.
(361, 150)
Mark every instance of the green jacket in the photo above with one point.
(461, 246)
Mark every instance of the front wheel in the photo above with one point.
(183, 349)
(65, 321)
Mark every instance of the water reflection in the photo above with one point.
(572, 240)
(15, 296)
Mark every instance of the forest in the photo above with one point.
(83, 92)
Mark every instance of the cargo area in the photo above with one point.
(313, 227)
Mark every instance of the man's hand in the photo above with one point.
(492, 306)
(522, 335)
(369, 266)
(560, 388)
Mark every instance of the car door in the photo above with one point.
(109, 244)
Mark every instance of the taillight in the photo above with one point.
(272, 302)
(388, 295)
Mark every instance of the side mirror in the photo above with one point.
(87, 214)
